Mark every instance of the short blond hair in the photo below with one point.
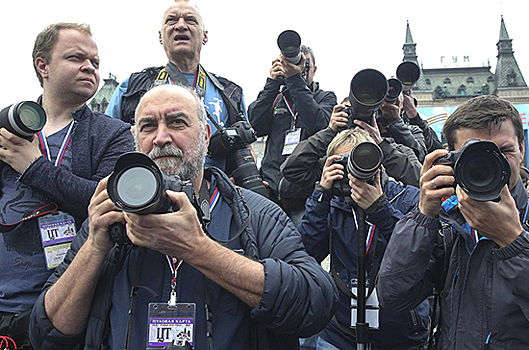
(348, 137)
(46, 40)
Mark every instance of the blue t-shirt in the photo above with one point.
(24, 271)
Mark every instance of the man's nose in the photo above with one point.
(163, 137)
(88, 66)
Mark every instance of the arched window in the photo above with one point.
(470, 80)
(447, 81)
(462, 90)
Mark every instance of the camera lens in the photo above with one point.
(31, 118)
(482, 171)
(24, 119)
(289, 43)
(364, 160)
(136, 187)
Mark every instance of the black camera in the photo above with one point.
(408, 73)
(368, 91)
(138, 186)
(362, 162)
(395, 88)
(289, 43)
(232, 143)
(23, 119)
(479, 168)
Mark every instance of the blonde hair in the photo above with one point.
(348, 137)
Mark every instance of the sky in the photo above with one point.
(346, 36)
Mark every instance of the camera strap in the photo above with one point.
(44, 210)
(172, 74)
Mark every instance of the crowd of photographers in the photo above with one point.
(428, 245)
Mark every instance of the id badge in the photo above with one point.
(292, 139)
(372, 309)
(171, 324)
(57, 231)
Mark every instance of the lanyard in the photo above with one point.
(175, 263)
(291, 110)
(46, 150)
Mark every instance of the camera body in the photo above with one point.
(232, 142)
(480, 169)
(23, 119)
(138, 186)
(362, 162)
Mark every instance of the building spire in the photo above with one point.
(508, 74)
(409, 39)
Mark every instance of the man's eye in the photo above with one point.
(147, 127)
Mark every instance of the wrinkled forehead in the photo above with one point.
(180, 8)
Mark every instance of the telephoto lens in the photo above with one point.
(367, 92)
(23, 119)
(408, 73)
(395, 88)
(364, 161)
(289, 43)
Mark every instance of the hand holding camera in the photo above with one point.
(339, 117)
(332, 171)
(363, 193)
(492, 219)
(277, 70)
(19, 123)
(436, 182)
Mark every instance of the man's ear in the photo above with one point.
(205, 39)
(42, 67)
(208, 134)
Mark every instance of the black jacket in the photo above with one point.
(305, 165)
(269, 115)
(140, 82)
(484, 294)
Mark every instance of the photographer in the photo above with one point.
(412, 117)
(248, 269)
(475, 254)
(47, 179)
(305, 165)
(331, 218)
(289, 109)
(393, 126)
(182, 35)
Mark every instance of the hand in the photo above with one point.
(409, 105)
(371, 129)
(331, 172)
(390, 111)
(435, 183)
(18, 152)
(364, 194)
(289, 68)
(497, 221)
(277, 70)
(177, 234)
(339, 119)
(102, 213)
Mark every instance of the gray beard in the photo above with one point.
(188, 167)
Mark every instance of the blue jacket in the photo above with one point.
(299, 297)
(484, 294)
(327, 215)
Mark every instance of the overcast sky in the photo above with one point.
(346, 36)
